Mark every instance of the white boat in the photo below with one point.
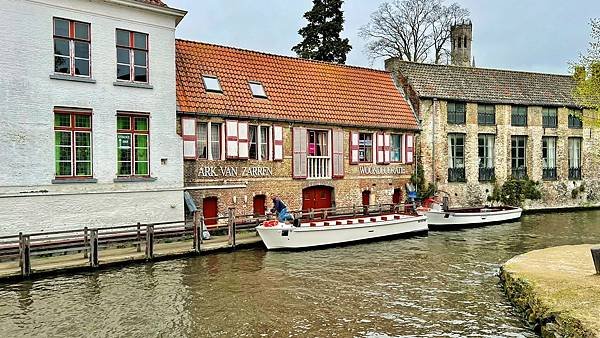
(440, 219)
(277, 235)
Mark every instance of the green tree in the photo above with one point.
(587, 75)
(321, 36)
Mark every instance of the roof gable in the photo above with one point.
(486, 85)
(297, 89)
(153, 2)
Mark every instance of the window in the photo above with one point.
(73, 144)
(318, 158)
(486, 143)
(257, 89)
(549, 117)
(202, 140)
(549, 158)
(575, 121)
(396, 148)
(212, 84)
(132, 56)
(215, 141)
(71, 47)
(518, 146)
(317, 143)
(456, 112)
(456, 158)
(486, 114)
(518, 116)
(258, 142)
(133, 155)
(365, 148)
(574, 158)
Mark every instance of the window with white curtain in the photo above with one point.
(574, 152)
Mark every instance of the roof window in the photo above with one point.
(257, 89)
(211, 83)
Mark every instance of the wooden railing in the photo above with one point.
(318, 166)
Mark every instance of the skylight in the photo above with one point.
(257, 89)
(211, 83)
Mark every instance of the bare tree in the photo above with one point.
(411, 30)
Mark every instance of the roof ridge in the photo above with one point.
(484, 68)
(285, 56)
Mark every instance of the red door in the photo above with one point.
(316, 198)
(258, 205)
(210, 209)
(397, 197)
(366, 197)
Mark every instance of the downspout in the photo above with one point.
(433, 107)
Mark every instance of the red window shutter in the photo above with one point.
(338, 153)
(386, 148)
(379, 148)
(277, 143)
(353, 147)
(299, 160)
(243, 140)
(231, 137)
(410, 148)
(188, 132)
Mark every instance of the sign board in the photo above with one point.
(224, 171)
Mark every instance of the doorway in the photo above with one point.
(259, 205)
(397, 196)
(210, 210)
(317, 197)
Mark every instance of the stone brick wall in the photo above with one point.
(433, 143)
(346, 191)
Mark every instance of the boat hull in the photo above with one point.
(438, 219)
(285, 236)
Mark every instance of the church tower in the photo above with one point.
(462, 36)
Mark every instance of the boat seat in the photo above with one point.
(361, 220)
(384, 218)
(397, 217)
(373, 219)
(313, 224)
(350, 221)
(338, 222)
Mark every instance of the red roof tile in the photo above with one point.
(297, 89)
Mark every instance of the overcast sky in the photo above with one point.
(532, 35)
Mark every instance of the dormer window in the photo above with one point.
(211, 83)
(257, 90)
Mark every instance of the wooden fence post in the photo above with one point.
(311, 213)
(231, 227)
(139, 237)
(196, 234)
(94, 261)
(86, 241)
(596, 258)
(353, 210)
(25, 254)
(150, 242)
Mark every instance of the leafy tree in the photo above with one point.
(321, 36)
(587, 75)
(412, 30)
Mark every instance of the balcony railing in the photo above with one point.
(487, 174)
(318, 167)
(574, 173)
(519, 173)
(549, 174)
(456, 175)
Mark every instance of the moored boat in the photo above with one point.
(309, 234)
(438, 218)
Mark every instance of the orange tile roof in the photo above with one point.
(297, 89)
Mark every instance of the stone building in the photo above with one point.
(317, 134)
(481, 126)
(461, 37)
(87, 130)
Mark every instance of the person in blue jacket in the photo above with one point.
(281, 209)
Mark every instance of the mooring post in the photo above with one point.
(231, 226)
(25, 254)
(139, 237)
(94, 261)
(86, 241)
(150, 241)
(353, 210)
(596, 258)
(311, 213)
(196, 234)
(201, 230)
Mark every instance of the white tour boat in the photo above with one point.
(277, 235)
(464, 217)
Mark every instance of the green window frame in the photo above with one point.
(518, 116)
(575, 119)
(456, 112)
(486, 114)
(73, 144)
(549, 117)
(133, 145)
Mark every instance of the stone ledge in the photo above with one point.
(72, 78)
(133, 85)
(556, 289)
(134, 179)
(74, 180)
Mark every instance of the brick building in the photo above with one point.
(484, 125)
(89, 136)
(317, 134)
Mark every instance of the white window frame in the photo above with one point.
(329, 151)
(258, 143)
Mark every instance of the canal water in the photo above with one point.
(441, 285)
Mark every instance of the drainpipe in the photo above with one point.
(434, 107)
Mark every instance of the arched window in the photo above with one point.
(465, 42)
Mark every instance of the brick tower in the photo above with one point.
(462, 35)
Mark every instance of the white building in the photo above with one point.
(87, 124)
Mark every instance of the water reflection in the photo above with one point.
(444, 284)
